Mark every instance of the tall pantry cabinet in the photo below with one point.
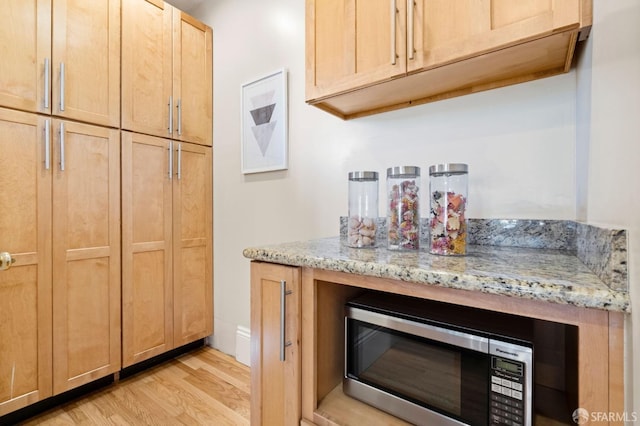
(167, 179)
(61, 217)
(60, 210)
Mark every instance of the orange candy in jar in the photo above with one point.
(448, 202)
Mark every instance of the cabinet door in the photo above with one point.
(192, 243)
(275, 345)
(146, 67)
(192, 79)
(25, 288)
(86, 61)
(445, 31)
(25, 43)
(147, 290)
(353, 43)
(86, 254)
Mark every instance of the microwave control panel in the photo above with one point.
(507, 392)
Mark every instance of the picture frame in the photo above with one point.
(264, 124)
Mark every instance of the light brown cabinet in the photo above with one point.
(61, 300)
(60, 220)
(365, 57)
(306, 388)
(275, 344)
(62, 58)
(167, 287)
(25, 288)
(86, 253)
(166, 72)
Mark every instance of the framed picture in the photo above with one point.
(264, 124)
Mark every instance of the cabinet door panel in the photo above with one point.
(25, 288)
(447, 31)
(86, 39)
(350, 44)
(146, 66)
(25, 43)
(86, 254)
(192, 245)
(192, 79)
(147, 291)
(275, 383)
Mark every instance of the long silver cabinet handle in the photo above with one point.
(393, 31)
(410, 48)
(170, 160)
(179, 161)
(62, 77)
(179, 106)
(47, 144)
(170, 115)
(62, 147)
(46, 83)
(283, 309)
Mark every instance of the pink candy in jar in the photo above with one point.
(403, 209)
(448, 203)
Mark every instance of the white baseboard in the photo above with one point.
(243, 345)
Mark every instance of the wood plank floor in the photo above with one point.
(202, 387)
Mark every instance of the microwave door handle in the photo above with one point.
(439, 334)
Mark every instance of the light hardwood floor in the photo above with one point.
(202, 387)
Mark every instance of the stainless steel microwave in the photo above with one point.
(430, 365)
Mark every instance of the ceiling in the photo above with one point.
(186, 5)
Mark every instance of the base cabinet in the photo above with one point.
(167, 288)
(25, 288)
(60, 220)
(86, 253)
(275, 345)
(305, 307)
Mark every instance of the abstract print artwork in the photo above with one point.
(264, 124)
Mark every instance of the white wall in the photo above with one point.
(608, 146)
(519, 141)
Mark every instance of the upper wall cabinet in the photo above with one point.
(370, 56)
(166, 72)
(62, 58)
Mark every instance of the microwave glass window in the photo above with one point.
(441, 377)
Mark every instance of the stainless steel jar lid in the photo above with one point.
(363, 176)
(449, 168)
(403, 171)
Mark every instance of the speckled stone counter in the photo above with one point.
(552, 275)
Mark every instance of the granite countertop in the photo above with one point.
(552, 275)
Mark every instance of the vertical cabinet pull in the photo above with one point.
(283, 309)
(170, 115)
(410, 48)
(392, 13)
(47, 144)
(62, 147)
(179, 106)
(179, 173)
(61, 86)
(46, 83)
(170, 160)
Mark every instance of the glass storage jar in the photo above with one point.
(403, 208)
(363, 209)
(448, 203)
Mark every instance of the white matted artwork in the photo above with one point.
(264, 123)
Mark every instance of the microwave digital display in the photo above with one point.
(506, 365)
